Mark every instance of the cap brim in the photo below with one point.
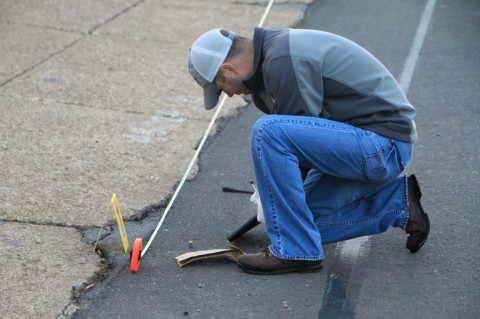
(211, 94)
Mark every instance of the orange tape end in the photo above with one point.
(136, 255)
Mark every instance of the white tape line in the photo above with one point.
(411, 62)
(265, 14)
(199, 148)
(100, 231)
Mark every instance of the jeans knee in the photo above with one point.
(262, 121)
(258, 128)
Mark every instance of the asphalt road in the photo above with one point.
(374, 277)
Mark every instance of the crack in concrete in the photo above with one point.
(40, 223)
(115, 16)
(77, 104)
(48, 27)
(89, 32)
(39, 63)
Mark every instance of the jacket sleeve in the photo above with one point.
(295, 85)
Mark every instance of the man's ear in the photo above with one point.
(228, 68)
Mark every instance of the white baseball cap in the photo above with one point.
(207, 54)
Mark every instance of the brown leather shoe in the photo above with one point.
(263, 263)
(418, 226)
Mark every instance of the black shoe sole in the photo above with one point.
(310, 269)
(416, 192)
(424, 238)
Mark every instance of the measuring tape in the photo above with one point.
(137, 251)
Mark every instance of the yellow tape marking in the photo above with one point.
(119, 218)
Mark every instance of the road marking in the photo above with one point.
(345, 279)
(356, 250)
(405, 80)
(413, 56)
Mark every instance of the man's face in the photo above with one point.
(231, 86)
(230, 81)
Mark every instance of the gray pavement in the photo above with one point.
(95, 99)
(373, 277)
(75, 117)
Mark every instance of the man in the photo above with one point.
(333, 108)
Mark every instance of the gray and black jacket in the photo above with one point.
(315, 73)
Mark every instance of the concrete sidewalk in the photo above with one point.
(95, 99)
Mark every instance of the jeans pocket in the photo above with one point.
(383, 165)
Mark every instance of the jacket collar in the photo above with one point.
(255, 82)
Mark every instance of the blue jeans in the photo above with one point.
(355, 186)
